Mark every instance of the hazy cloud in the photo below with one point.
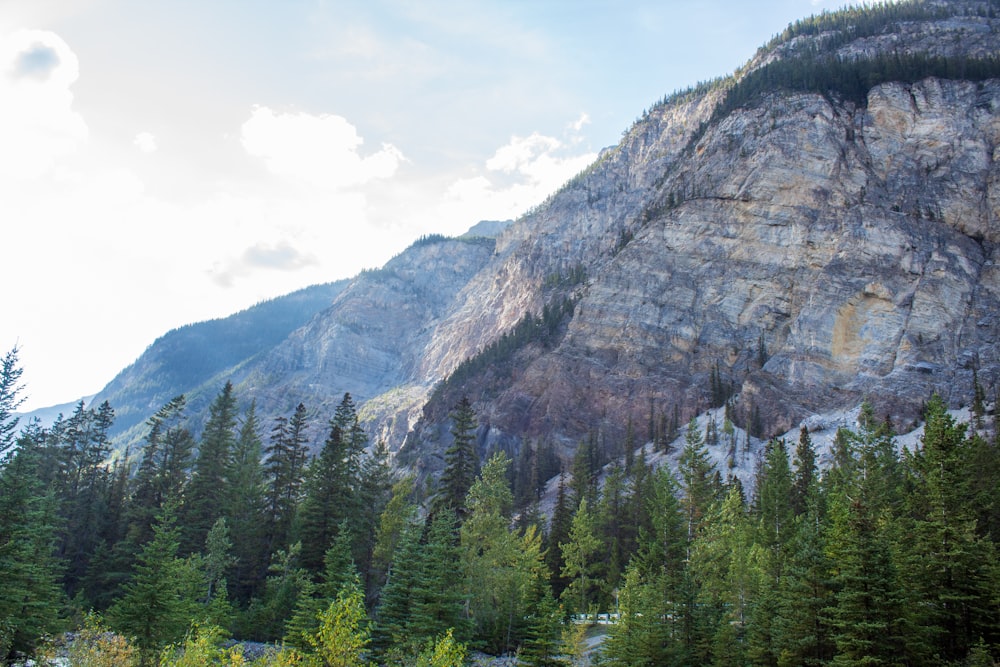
(281, 256)
(319, 150)
(145, 142)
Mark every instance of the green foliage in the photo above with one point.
(332, 499)
(496, 359)
(460, 460)
(444, 652)
(30, 597)
(580, 554)
(96, 646)
(161, 600)
(343, 635)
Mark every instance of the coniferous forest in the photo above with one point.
(167, 555)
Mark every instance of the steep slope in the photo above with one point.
(369, 341)
(815, 244)
(183, 360)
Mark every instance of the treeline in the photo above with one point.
(497, 357)
(885, 557)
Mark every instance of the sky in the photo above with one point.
(164, 162)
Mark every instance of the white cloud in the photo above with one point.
(145, 142)
(319, 150)
(37, 123)
(518, 176)
(580, 122)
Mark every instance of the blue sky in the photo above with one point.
(169, 161)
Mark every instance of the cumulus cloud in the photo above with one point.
(38, 62)
(319, 150)
(37, 122)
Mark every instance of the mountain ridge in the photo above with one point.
(806, 248)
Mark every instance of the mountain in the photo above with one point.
(818, 229)
(193, 359)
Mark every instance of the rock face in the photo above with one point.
(807, 250)
(850, 248)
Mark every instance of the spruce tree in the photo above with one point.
(438, 595)
(11, 399)
(283, 472)
(559, 525)
(581, 552)
(805, 472)
(202, 506)
(460, 461)
(161, 599)
(245, 509)
(332, 488)
(30, 597)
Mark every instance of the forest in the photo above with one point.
(168, 555)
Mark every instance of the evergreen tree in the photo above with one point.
(397, 516)
(951, 569)
(10, 400)
(802, 634)
(460, 461)
(395, 605)
(438, 599)
(202, 506)
(163, 471)
(500, 567)
(559, 526)
(332, 489)
(283, 474)
(581, 553)
(805, 472)
(245, 509)
(374, 493)
(696, 476)
(30, 597)
(161, 599)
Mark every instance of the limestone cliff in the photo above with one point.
(849, 246)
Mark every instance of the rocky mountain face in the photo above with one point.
(816, 251)
(808, 249)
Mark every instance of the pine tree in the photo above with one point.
(499, 567)
(283, 474)
(802, 633)
(395, 605)
(696, 475)
(438, 600)
(10, 400)
(805, 472)
(245, 509)
(202, 506)
(951, 569)
(163, 471)
(332, 488)
(374, 493)
(30, 597)
(581, 552)
(161, 599)
(559, 525)
(460, 461)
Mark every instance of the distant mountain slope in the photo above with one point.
(186, 358)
